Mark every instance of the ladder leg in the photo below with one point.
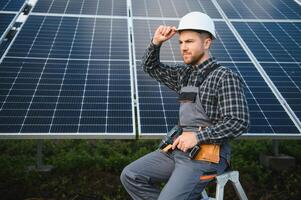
(240, 191)
(204, 194)
(237, 186)
(219, 193)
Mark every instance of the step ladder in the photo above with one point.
(221, 181)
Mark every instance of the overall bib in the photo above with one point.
(192, 115)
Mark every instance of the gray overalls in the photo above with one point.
(181, 174)
(192, 115)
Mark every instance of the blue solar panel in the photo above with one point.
(61, 75)
(270, 41)
(266, 113)
(11, 5)
(5, 21)
(277, 48)
(91, 7)
(55, 96)
(172, 8)
(256, 9)
(287, 78)
(72, 37)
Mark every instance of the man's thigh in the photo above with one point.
(154, 167)
(185, 183)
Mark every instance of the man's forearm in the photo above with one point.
(168, 75)
(151, 57)
(222, 131)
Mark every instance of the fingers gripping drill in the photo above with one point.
(166, 143)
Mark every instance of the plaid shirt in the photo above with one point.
(221, 94)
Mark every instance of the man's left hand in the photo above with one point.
(185, 141)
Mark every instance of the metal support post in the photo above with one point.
(275, 144)
(40, 165)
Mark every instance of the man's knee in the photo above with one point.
(129, 176)
(124, 176)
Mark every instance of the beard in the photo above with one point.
(190, 59)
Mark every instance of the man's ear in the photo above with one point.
(207, 43)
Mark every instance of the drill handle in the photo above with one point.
(193, 152)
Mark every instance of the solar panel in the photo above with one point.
(74, 68)
(271, 41)
(172, 8)
(277, 48)
(5, 21)
(67, 75)
(72, 37)
(91, 7)
(256, 9)
(11, 5)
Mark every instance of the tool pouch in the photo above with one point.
(208, 152)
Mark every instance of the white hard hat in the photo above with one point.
(197, 21)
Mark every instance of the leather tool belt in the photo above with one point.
(208, 152)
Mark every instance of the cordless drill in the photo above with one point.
(166, 143)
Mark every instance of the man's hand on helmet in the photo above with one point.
(163, 33)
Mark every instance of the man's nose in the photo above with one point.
(184, 47)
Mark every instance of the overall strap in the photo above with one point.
(207, 71)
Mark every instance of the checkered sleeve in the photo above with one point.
(233, 109)
(168, 75)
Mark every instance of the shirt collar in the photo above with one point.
(206, 64)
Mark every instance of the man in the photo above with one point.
(213, 110)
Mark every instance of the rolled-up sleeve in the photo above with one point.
(168, 75)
